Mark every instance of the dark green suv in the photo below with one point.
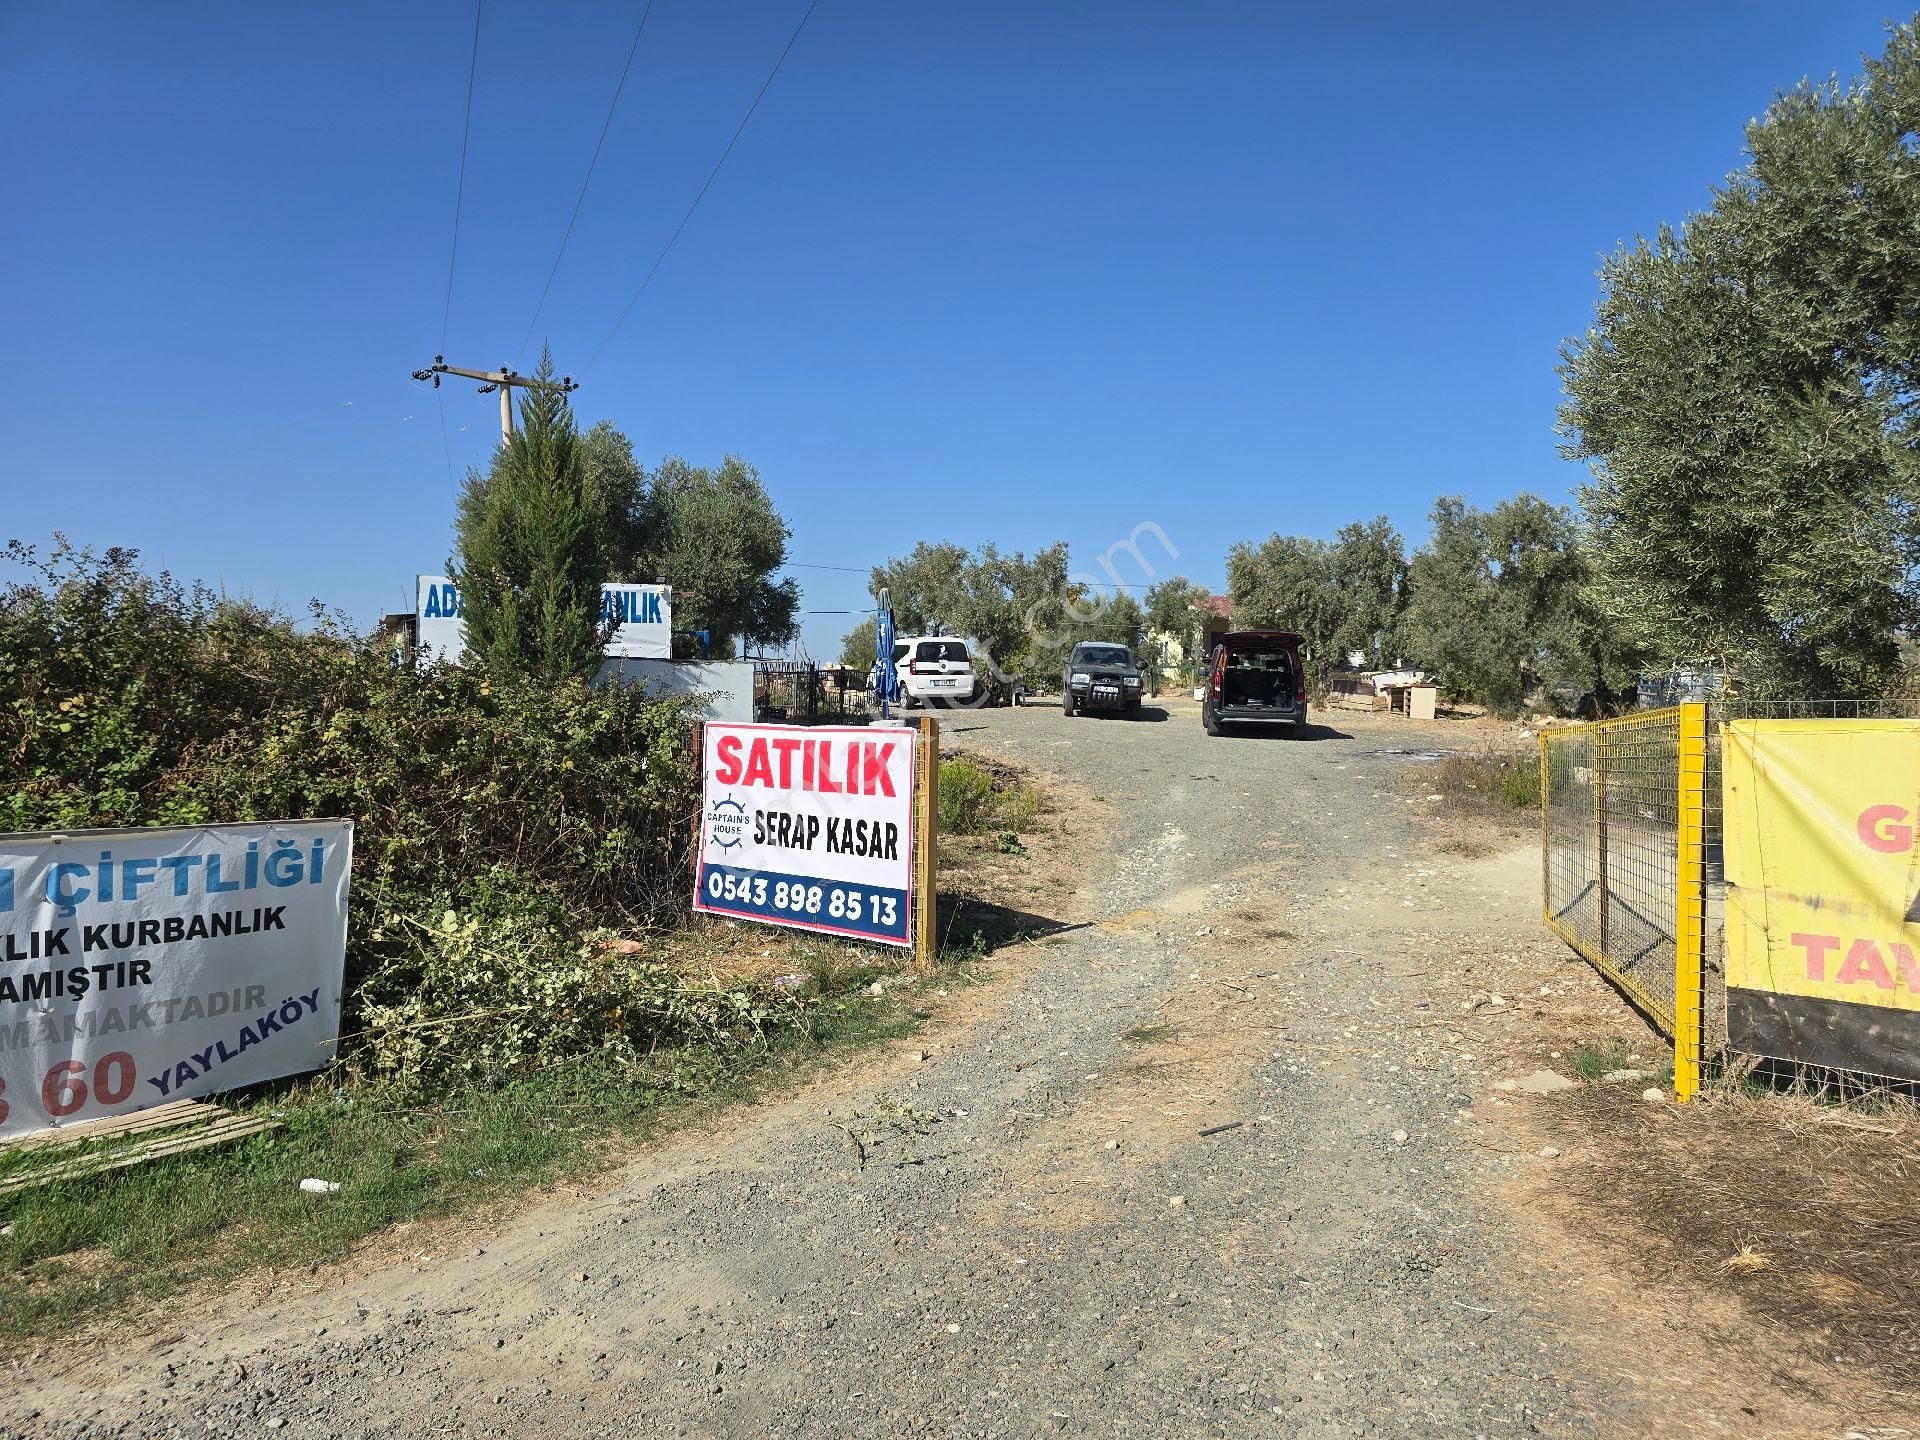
(1100, 676)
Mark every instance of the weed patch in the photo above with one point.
(978, 799)
(1477, 802)
(1595, 1060)
(1501, 780)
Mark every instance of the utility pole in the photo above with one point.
(504, 380)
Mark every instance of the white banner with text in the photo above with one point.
(637, 620)
(143, 966)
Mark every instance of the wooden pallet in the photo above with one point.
(115, 1142)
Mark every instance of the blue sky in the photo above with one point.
(1014, 272)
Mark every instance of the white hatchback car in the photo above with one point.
(935, 667)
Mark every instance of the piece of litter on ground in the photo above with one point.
(314, 1186)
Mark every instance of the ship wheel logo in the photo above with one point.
(727, 823)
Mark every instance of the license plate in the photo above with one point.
(1106, 693)
(943, 682)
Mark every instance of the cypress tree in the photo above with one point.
(529, 552)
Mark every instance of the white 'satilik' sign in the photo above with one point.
(143, 966)
(810, 827)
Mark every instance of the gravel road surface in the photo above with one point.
(1027, 1232)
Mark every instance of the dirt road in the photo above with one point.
(1027, 1232)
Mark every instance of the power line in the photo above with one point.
(714, 174)
(460, 190)
(632, 50)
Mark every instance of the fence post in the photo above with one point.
(926, 841)
(1603, 871)
(1546, 833)
(1690, 902)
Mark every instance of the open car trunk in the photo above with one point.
(1258, 680)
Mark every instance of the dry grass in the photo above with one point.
(1805, 1212)
(1745, 1261)
(1478, 802)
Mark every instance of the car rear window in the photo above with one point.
(931, 650)
(1259, 659)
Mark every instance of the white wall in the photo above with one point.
(726, 684)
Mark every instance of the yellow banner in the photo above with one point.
(1822, 867)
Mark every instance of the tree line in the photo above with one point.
(1497, 604)
(1023, 613)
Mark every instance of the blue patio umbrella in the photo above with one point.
(889, 681)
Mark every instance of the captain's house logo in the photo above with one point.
(727, 823)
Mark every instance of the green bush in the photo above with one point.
(966, 797)
(495, 816)
(1518, 784)
(974, 800)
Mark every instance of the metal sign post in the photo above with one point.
(883, 646)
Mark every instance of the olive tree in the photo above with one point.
(1747, 400)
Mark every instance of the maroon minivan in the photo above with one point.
(1255, 679)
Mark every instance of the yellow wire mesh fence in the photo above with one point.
(1633, 858)
(1623, 821)
(1612, 836)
